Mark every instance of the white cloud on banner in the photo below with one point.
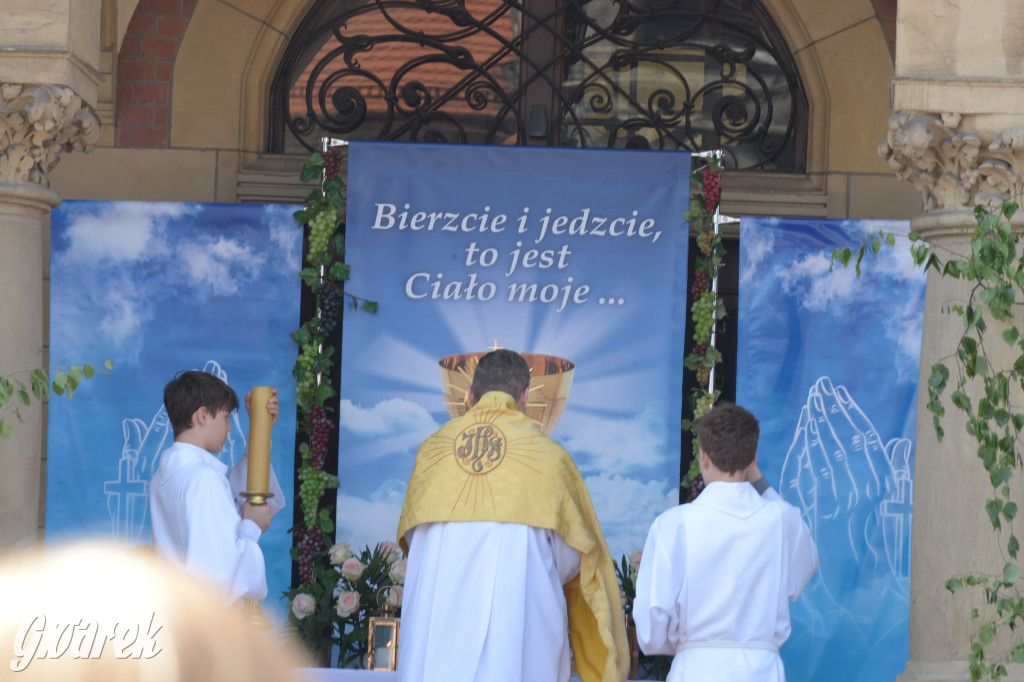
(618, 445)
(390, 418)
(122, 232)
(219, 267)
(626, 507)
(756, 248)
(367, 521)
(841, 293)
(145, 257)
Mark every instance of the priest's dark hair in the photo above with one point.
(728, 435)
(188, 391)
(501, 370)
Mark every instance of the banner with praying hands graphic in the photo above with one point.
(575, 258)
(159, 288)
(828, 362)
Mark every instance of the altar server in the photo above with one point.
(196, 521)
(717, 575)
(507, 564)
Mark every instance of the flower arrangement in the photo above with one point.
(331, 613)
(706, 308)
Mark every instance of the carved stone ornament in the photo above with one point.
(37, 123)
(954, 170)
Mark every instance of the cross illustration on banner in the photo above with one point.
(123, 496)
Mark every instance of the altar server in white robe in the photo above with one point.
(507, 564)
(198, 520)
(717, 575)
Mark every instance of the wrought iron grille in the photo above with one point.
(661, 74)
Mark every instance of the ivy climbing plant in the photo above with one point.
(15, 393)
(706, 309)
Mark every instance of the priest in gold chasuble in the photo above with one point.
(508, 567)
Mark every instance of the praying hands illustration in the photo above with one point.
(127, 495)
(855, 493)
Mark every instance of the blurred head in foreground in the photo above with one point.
(109, 613)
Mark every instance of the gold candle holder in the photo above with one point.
(258, 481)
(258, 477)
(550, 382)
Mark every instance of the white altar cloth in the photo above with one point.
(348, 675)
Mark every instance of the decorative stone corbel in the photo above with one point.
(37, 123)
(953, 169)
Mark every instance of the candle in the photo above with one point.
(259, 441)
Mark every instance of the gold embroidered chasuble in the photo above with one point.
(494, 464)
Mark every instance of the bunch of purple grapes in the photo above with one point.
(331, 300)
(711, 189)
(322, 426)
(332, 163)
(699, 284)
(696, 487)
(309, 540)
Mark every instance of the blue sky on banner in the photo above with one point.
(601, 235)
(828, 362)
(158, 288)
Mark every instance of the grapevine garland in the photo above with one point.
(705, 306)
(324, 274)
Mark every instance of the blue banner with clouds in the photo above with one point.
(159, 288)
(576, 254)
(828, 362)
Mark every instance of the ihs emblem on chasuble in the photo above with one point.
(480, 448)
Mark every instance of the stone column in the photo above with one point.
(958, 135)
(48, 77)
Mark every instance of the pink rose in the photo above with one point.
(352, 568)
(392, 552)
(339, 553)
(397, 572)
(303, 605)
(348, 603)
(395, 597)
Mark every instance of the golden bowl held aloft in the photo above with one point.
(550, 381)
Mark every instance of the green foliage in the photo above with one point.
(324, 275)
(14, 392)
(981, 392)
(706, 309)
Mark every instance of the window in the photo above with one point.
(684, 75)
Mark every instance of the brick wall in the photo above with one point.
(886, 11)
(145, 72)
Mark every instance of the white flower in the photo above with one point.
(348, 603)
(395, 597)
(352, 569)
(303, 605)
(397, 572)
(339, 553)
(392, 552)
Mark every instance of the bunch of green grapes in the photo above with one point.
(312, 484)
(305, 377)
(321, 229)
(704, 403)
(703, 312)
(706, 242)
